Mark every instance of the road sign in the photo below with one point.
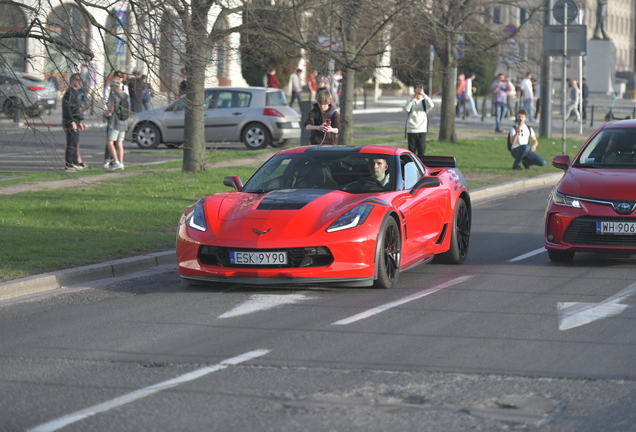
(559, 11)
(553, 40)
(510, 29)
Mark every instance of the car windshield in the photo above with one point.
(610, 148)
(349, 172)
(275, 98)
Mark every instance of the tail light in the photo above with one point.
(272, 112)
(36, 88)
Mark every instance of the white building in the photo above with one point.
(158, 49)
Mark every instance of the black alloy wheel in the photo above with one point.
(388, 255)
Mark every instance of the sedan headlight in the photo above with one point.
(353, 218)
(565, 200)
(196, 217)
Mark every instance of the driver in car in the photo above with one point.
(378, 169)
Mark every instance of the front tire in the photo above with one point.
(460, 237)
(255, 136)
(389, 254)
(561, 255)
(147, 136)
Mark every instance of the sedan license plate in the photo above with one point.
(51, 101)
(258, 258)
(620, 228)
(295, 125)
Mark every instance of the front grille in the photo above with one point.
(582, 231)
(296, 257)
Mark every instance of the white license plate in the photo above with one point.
(295, 124)
(51, 101)
(622, 228)
(258, 258)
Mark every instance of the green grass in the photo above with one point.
(128, 216)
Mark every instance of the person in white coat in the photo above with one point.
(418, 108)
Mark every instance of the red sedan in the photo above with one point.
(350, 216)
(592, 207)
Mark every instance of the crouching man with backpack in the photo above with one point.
(518, 137)
(119, 108)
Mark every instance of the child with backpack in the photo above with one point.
(119, 108)
(323, 121)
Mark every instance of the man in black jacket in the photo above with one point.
(72, 122)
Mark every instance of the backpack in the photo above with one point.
(530, 130)
(122, 108)
(317, 116)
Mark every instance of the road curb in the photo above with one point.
(121, 267)
(506, 188)
(54, 280)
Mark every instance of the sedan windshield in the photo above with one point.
(610, 148)
(350, 172)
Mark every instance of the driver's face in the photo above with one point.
(377, 168)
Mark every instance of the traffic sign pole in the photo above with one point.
(565, 59)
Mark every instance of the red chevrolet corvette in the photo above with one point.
(592, 207)
(350, 216)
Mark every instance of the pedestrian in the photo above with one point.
(518, 138)
(135, 91)
(146, 93)
(470, 102)
(87, 84)
(324, 83)
(297, 87)
(574, 95)
(116, 77)
(536, 90)
(527, 96)
(118, 104)
(500, 92)
(72, 122)
(512, 97)
(460, 93)
(335, 90)
(56, 83)
(323, 121)
(418, 108)
(183, 84)
(313, 85)
(272, 81)
(585, 94)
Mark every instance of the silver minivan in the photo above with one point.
(257, 116)
(22, 90)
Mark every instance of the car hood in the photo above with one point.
(290, 213)
(602, 184)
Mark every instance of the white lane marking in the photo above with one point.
(401, 301)
(528, 255)
(573, 314)
(261, 302)
(141, 393)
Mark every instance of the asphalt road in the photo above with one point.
(497, 343)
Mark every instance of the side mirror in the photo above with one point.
(233, 182)
(561, 162)
(425, 182)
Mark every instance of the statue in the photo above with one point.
(601, 17)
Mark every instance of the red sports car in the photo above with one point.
(350, 216)
(592, 207)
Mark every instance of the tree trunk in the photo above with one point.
(447, 121)
(196, 55)
(345, 137)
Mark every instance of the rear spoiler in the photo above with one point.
(439, 161)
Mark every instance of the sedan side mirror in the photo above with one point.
(233, 182)
(561, 162)
(425, 182)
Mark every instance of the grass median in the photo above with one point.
(122, 216)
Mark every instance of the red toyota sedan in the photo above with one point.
(592, 207)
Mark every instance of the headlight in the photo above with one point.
(565, 200)
(196, 218)
(353, 218)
